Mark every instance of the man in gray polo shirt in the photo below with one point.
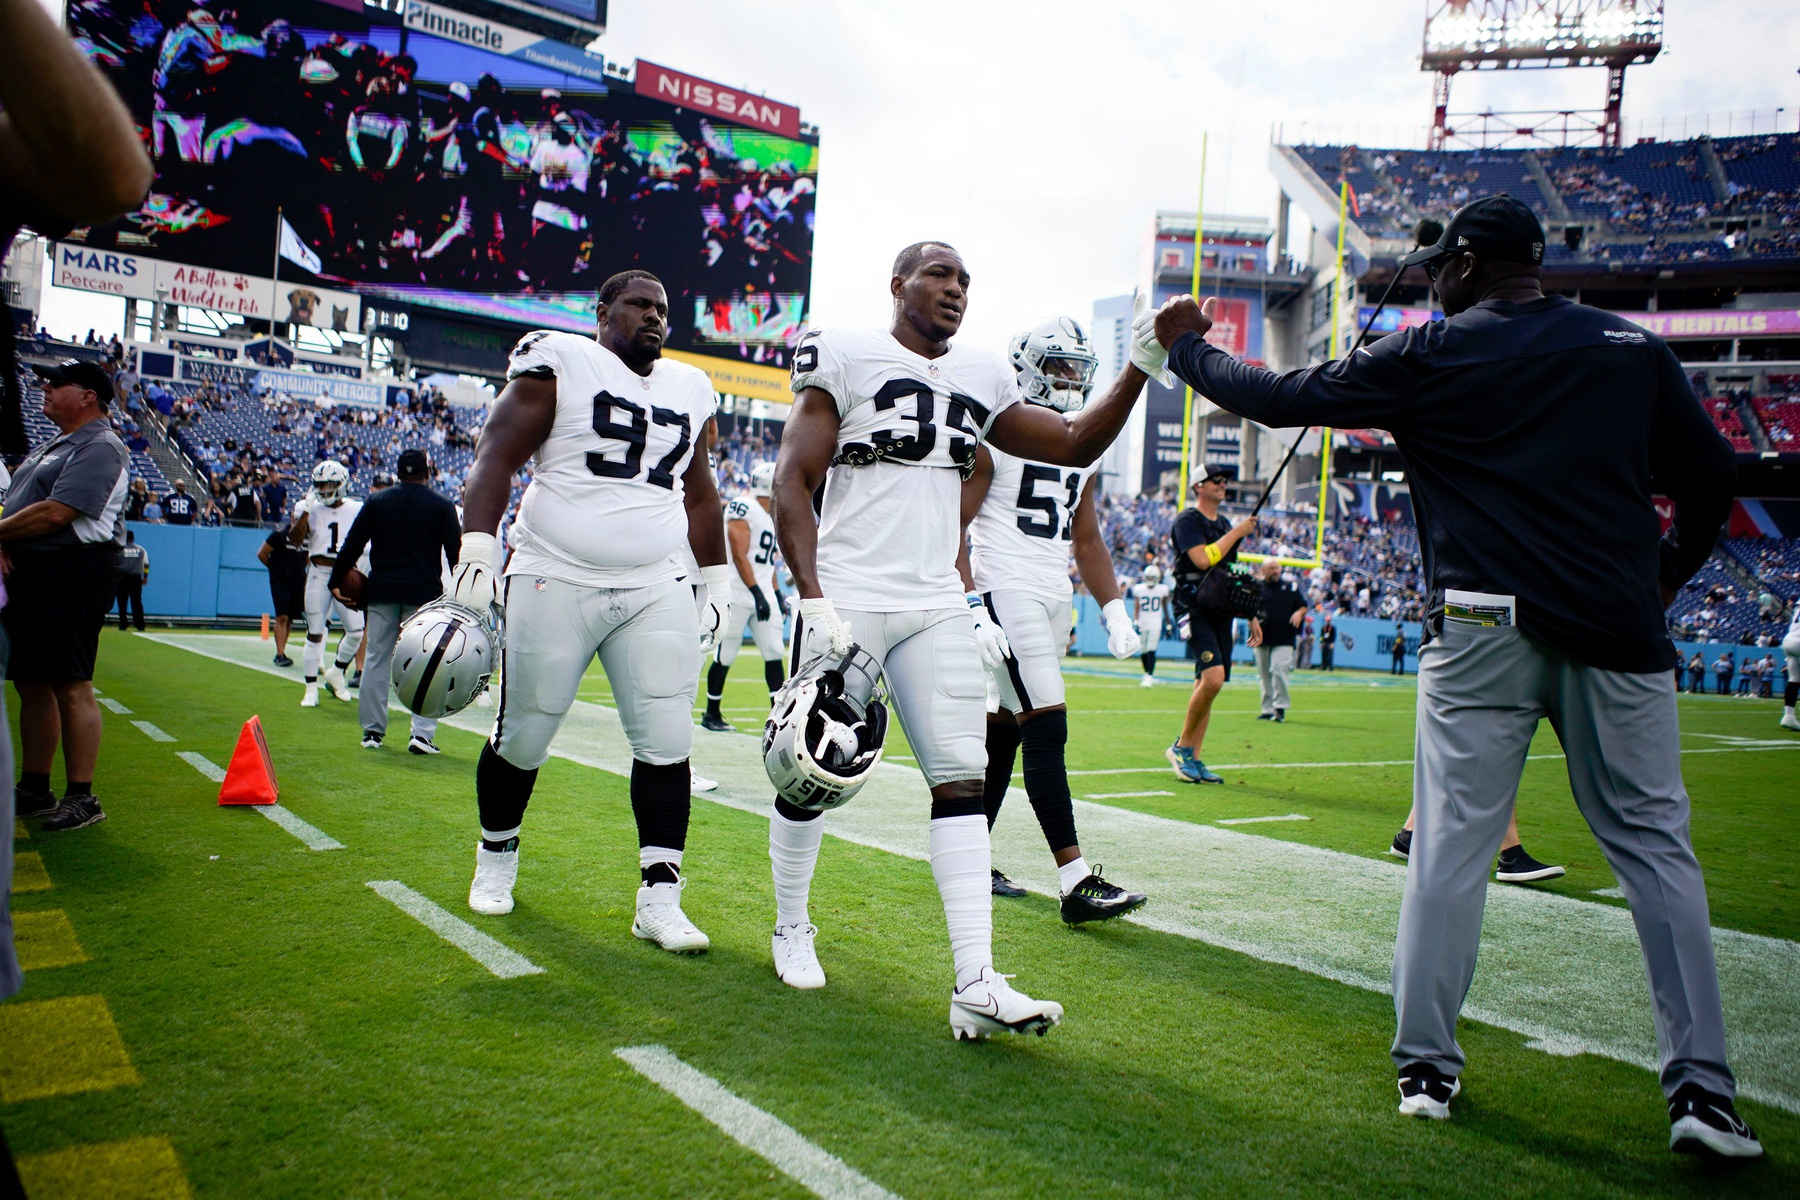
(59, 544)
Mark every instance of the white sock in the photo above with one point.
(500, 835)
(348, 645)
(793, 855)
(311, 657)
(649, 856)
(1787, 710)
(1072, 873)
(962, 864)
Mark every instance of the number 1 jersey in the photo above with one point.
(890, 515)
(605, 507)
(1021, 535)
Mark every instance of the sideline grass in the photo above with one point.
(297, 1035)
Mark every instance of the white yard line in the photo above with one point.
(112, 705)
(315, 838)
(501, 960)
(202, 764)
(1564, 972)
(824, 1175)
(1123, 795)
(1260, 820)
(152, 732)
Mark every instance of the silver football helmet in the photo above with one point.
(762, 479)
(1055, 364)
(443, 659)
(329, 480)
(824, 734)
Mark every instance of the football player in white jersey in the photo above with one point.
(1152, 596)
(612, 427)
(1790, 646)
(750, 535)
(884, 426)
(321, 519)
(1024, 519)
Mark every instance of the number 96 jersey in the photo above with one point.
(605, 507)
(890, 516)
(1020, 537)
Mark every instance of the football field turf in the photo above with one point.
(213, 1006)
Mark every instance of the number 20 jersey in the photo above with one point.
(890, 516)
(1020, 537)
(605, 506)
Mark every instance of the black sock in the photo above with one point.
(1149, 661)
(773, 675)
(72, 788)
(31, 781)
(660, 799)
(1047, 777)
(501, 847)
(1791, 693)
(715, 687)
(1002, 745)
(502, 790)
(660, 872)
(794, 812)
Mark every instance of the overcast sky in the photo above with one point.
(1040, 136)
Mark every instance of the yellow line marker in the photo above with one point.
(46, 939)
(55, 1047)
(143, 1168)
(28, 872)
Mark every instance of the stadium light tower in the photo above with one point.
(1488, 35)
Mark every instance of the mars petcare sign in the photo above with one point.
(732, 104)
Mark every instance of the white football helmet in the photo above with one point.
(824, 734)
(443, 659)
(330, 478)
(762, 479)
(1055, 364)
(1152, 574)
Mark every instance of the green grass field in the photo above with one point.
(222, 1010)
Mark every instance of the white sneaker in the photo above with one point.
(1149, 681)
(660, 920)
(495, 873)
(989, 1004)
(1789, 720)
(700, 783)
(796, 963)
(334, 679)
(311, 698)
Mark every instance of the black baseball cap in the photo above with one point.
(1497, 228)
(412, 462)
(91, 376)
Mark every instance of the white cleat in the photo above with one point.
(495, 873)
(796, 962)
(311, 697)
(988, 1004)
(660, 920)
(334, 679)
(700, 783)
(1790, 721)
(1148, 682)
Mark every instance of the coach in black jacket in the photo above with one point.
(1532, 428)
(411, 532)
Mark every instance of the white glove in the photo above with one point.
(717, 581)
(1147, 354)
(1122, 640)
(472, 578)
(989, 636)
(820, 619)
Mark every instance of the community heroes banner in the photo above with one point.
(445, 171)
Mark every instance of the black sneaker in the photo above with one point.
(1006, 887)
(1265, 716)
(1703, 1122)
(1402, 847)
(1281, 716)
(33, 804)
(371, 740)
(75, 812)
(1094, 899)
(421, 745)
(355, 681)
(1426, 1091)
(282, 660)
(1516, 866)
(716, 723)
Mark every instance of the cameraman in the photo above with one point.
(1204, 540)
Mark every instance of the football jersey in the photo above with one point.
(605, 504)
(890, 514)
(1150, 597)
(762, 546)
(326, 524)
(1020, 537)
(1793, 622)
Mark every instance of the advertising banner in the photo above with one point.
(139, 277)
(1721, 323)
(759, 112)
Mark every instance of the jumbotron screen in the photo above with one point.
(422, 168)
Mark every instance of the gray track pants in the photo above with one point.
(1481, 694)
(382, 632)
(1273, 665)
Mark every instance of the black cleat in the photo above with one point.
(33, 804)
(75, 812)
(717, 723)
(1280, 716)
(1703, 1122)
(282, 660)
(1426, 1091)
(1402, 847)
(1003, 886)
(1094, 899)
(1265, 716)
(1516, 866)
(355, 680)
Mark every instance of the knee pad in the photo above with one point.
(661, 797)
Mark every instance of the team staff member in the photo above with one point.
(1327, 645)
(61, 536)
(287, 586)
(1283, 610)
(134, 573)
(1548, 588)
(410, 531)
(1204, 540)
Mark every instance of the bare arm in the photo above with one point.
(738, 534)
(299, 529)
(35, 520)
(1035, 432)
(518, 425)
(1207, 556)
(808, 441)
(263, 552)
(974, 491)
(68, 148)
(705, 513)
(1091, 557)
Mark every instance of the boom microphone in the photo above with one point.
(1428, 232)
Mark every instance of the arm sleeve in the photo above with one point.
(818, 362)
(90, 476)
(351, 551)
(1692, 464)
(1371, 388)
